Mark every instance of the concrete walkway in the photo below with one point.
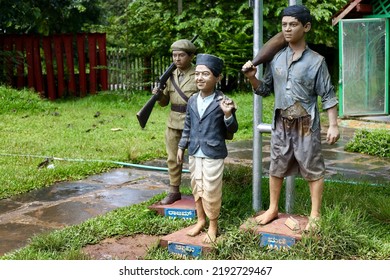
(70, 203)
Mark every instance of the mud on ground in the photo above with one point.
(124, 248)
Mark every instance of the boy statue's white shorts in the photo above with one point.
(206, 183)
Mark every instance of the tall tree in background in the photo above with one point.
(48, 16)
(322, 12)
(225, 28)
(148, 27)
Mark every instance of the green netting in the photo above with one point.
(381, 7)
(364, 66)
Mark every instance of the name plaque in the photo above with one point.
(184, 249)
(275, 241)
(179, 213)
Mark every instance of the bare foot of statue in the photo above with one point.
(313, 224)
(266, 217)
(197, 228)
(211, 235)
(210, 238)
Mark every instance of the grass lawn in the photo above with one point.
(85, 136)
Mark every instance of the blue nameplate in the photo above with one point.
(275, 241)
(184, 249)
(179, 213)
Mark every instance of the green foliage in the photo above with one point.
(143, 28)
(322, 31)
(47, 17)
(149, 26)
(372, 142)
(225, 28)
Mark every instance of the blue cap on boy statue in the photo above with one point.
(214, 63)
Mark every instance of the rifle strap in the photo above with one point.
(179, 91)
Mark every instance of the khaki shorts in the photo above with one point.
(296, 149)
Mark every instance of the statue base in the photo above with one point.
(183, 208)
(180, 244)
(281, 233)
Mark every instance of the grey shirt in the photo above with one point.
(301, 80)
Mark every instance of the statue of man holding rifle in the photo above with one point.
(180, 86)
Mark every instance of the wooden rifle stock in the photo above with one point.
(146, 110)
(144, 114)
(269, 49)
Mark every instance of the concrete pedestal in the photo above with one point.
(181, 244)
(183, 208)
(276, 234)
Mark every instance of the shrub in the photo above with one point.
(372, 142)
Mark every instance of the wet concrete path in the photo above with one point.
(69, 203)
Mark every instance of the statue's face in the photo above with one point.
(205, 79)
(182, 59)
(293, 30)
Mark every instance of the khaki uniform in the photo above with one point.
(175, 122)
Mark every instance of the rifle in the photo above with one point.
(144, 114)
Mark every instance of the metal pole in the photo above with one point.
(257, 108)
(179, 7)
(292, 2)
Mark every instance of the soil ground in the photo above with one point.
(124, 248)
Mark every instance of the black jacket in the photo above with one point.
(209, 131)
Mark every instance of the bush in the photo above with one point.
(372, 142)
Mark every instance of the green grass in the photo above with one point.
(352, 226)
(356, 218)
(85, 136)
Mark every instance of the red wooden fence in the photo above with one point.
(58, 65)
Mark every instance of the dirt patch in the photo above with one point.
(362, 124)
(124, 248)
